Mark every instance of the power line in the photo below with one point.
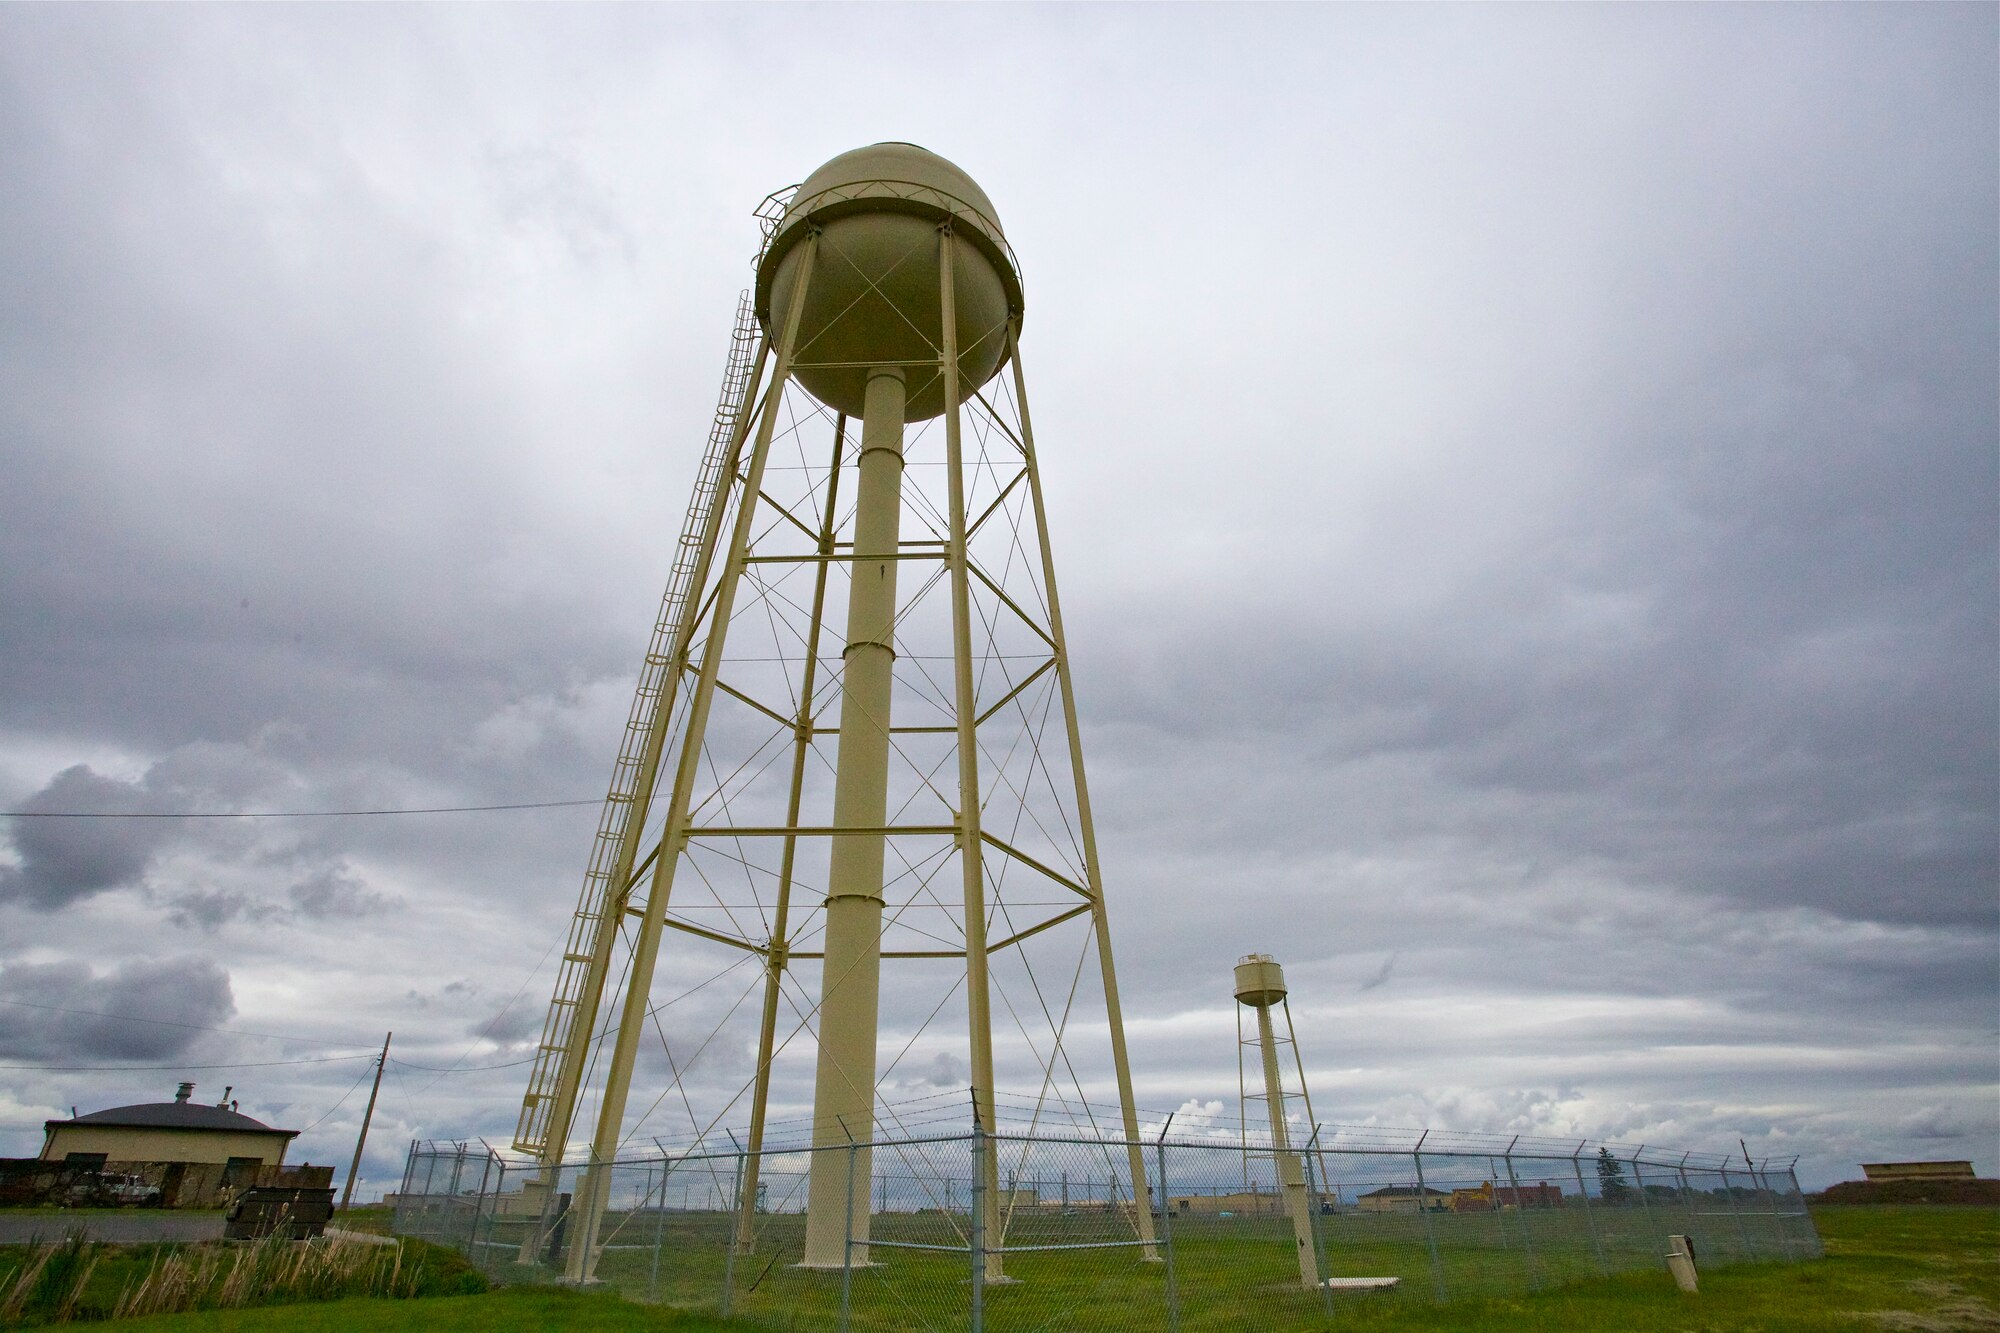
(461, 1069)
(253, 1064)
(285, 814)
(233, 1032)
(167, 1023)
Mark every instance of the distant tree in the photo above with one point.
(1611, 1177)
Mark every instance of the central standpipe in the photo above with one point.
(850, 983)
(1260, 983)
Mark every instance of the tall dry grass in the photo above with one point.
(52, 1282)
(50, 1287)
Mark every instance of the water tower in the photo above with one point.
(1260, 985)
(855, 736)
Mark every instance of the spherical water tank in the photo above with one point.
(875, 297)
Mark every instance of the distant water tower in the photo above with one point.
(855, 736)
(1260, 984)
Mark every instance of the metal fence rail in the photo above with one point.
(1444, 1220)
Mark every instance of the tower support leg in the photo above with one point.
(971, 850)
(1291, 1166)
(1114, 1015)
(596, 1188)
(777, 949)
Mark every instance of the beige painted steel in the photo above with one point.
(1259, 980)
(850, 980)
(1290, 1165)
(885, 251)
(777, 952)
(1086, 827)
(594, 1194)
(971, 850)
(875, 281)
(1305, 1089)
(617, 888)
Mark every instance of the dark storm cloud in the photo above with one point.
(63, 1007)
(63, 860)
(329, 894)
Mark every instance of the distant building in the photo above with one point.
(1251, 1202)
(216, 1141)
(1487, 1196)
(1918, 1170)
(1403, 1199)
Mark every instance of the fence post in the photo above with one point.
(1535, 1274)
(1166, 1230)
(1499, 1212)
(1687, 1198)
(659, 1224)
(1809, 1239)
(847, 1249)
(1320, 1266)
(1654, 1237)
(493, 1218)
(1742, 1235)
(478, 1208)
(1589, 1218)
(1424, 1211)
(977, 1230)
(729, 1256)
(1777, 1220)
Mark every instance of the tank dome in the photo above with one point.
(875, 297)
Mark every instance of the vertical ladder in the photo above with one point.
(600, 896)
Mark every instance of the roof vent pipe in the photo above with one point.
(186, 1091)
(225, 1094)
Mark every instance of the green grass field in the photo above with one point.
(1914, 1269)
(1228, 1272)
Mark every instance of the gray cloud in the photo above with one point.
(1553, 553)
(517, 1026)
(335, 894)
(212, 909)
(63, 860)
(69, 1012)
(1381, 975)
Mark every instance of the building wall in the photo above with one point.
(36, 1182)
(1917, 1170)
(1228, 1203)
(1401, 1203)
(120, 1144)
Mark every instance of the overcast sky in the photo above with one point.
(1524, 482)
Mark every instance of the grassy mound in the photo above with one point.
(1985, 1192)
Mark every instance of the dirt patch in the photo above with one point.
(1971, 1316)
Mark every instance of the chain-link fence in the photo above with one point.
(1215, 1236)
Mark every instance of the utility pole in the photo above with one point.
(382, 1060)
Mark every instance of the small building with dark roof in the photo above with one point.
(1918, 1170)
(1403, 1199)
(181, 1130)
